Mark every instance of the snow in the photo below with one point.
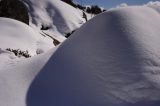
(59, 16)
(111, 60)
(16, 75)
(117, 64)
(17, 35)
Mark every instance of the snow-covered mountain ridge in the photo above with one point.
(53, 18)
(59, 17)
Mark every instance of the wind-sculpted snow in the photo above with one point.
(113, 60)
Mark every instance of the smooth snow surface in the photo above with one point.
(17, 35)
(113, 60)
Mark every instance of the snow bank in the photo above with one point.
(113, 60)
(58, 16)
(17, 35)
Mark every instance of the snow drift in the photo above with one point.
(113, 60)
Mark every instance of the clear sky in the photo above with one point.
(113, 3)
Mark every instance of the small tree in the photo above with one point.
(88, 10)
(95, 9)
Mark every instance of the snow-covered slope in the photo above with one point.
(58, 16)
(117, 64)
(113, 60)
(17, 35)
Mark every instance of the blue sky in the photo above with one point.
(113, 3)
